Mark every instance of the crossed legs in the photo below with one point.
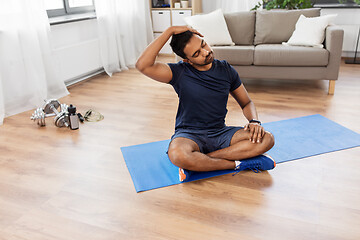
(185, 153)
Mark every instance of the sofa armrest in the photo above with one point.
(333, 43)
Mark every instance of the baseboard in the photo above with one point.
(84, 77)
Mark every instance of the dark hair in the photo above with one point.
(179, 41)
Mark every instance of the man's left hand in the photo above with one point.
(257, 132)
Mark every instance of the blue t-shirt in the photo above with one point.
(203, 95)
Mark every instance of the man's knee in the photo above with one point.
(181, 151)
(179, 157)
(268, 141)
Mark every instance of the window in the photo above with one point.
(65, 7)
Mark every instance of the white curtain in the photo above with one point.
(229, 6)
(124, 31)
(2, 107)
(27, 73)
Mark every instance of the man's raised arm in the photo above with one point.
(146, 63)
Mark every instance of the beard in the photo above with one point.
(209, 59)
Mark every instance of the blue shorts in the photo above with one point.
(208, 140)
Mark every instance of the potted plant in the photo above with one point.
(292, 4)
(345, 1)
(285, 4)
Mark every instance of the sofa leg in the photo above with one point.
(331, 87)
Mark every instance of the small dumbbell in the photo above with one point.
(62, 119)
(39, 116)
(50, 109)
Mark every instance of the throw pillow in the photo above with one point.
(212, 26)
(310, 31)
(276, 26)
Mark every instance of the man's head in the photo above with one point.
(192, 48)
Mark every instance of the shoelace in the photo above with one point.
(255, 169)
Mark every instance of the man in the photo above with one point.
(201, 141)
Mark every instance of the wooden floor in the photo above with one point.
(62, 184)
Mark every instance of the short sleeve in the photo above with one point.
(234, 77)
(176, 69)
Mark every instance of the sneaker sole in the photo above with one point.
(182, 175)
(267, 155)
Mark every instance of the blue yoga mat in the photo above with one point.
(150, 167)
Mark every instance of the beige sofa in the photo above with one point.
(259, 52)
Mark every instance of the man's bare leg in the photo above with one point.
(185, 153)
(241, 147)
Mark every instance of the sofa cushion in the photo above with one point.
(282, 55)
(241, 27)
(235, 55)
(310, 31)
(212, 26)
(277, 26)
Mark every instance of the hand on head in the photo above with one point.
(181, 29)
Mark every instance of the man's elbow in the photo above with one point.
(139, 66)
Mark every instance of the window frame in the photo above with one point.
(67, 10)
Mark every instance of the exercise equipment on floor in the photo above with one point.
(64, 115)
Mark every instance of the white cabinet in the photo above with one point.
(161, 20)
(178, 17)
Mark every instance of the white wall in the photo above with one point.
(349, 20)
(76, 48)
(208, 6)
(228, 5)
